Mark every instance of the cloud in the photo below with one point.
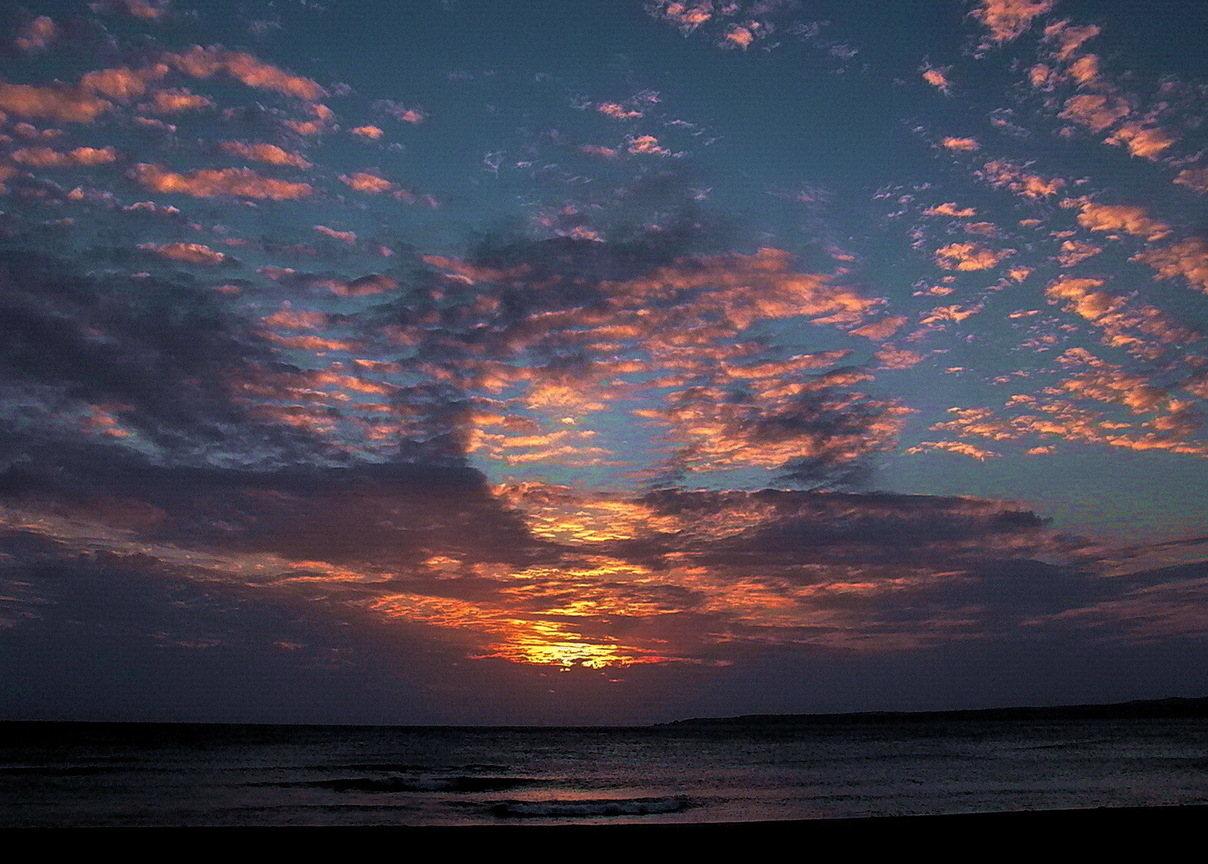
(165, 351)
(647, 145)
(401, 112)
(344, 236)
(363, 181)
(617, 110)
(123, 84)
(937, 77)
(188, 253)
(1187, 258)
(880, 330)
(1008, 175)
(260, 152)
(374, 283)
(1148, 142)
(965, 145)
(148, 10)
(1137, 328)
(45, 157)
(1194, 178)
(961, 447)
(1127, 218)
(373, 133)
(209, 183)
(950, 208)
(969, 256)
(60, 102)
(175, 100)
(1008, 19)
(1096, 111)
(36, 35)
(206, 62)
(685, 16)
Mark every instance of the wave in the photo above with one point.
(420, 784)
(578, 808)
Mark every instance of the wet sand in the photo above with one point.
(1081, 832)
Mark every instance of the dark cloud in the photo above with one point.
(157, 354)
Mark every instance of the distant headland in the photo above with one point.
(1140, 709)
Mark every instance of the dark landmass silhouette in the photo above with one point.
(1139, 709)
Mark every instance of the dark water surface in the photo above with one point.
(95, 774)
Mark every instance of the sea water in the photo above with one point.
(85, 774)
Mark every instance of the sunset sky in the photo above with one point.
(544, 361)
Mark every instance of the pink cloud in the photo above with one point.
(363, 181)
(961, 144)
(238, 182)
(1009, 19)
(269, 153)
(45, 157)
(344, 236)
(60, 102)
(187, 253)
(969, 256)
(36, 35)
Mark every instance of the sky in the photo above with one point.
(600, 361)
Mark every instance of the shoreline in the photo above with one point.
(1021, 822)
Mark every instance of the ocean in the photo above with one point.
(127, 774)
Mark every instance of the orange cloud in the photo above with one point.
(606, 152)
(123, 84)
(647, 144)
(1187, 258)
(37, 34)
(1121, 217)
(289, 318)
(188, 253)
(57, 102)
(1068, 38)
(890, 357)
(1008, 175)
(45, 157)
(374, 283)
(950, 209)
(961, 144)
(371, 132)
(1085, 69)
(617, 110)
(1064, 420)
(363, 181)
(1142, 330)
(206, 62)
(1083, 296)
(1194, 178)
(269, 153)
(1008, 19)
(686, 16)
(1096, 111)
(1074, 252)
(961, 447)
(941, 314)
(240, 182)
(739, 36)
(937, 78)
(345, 236)
(880, 330)
(148, 10)
(1147, 142)
(176, 100)
(969, 256)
